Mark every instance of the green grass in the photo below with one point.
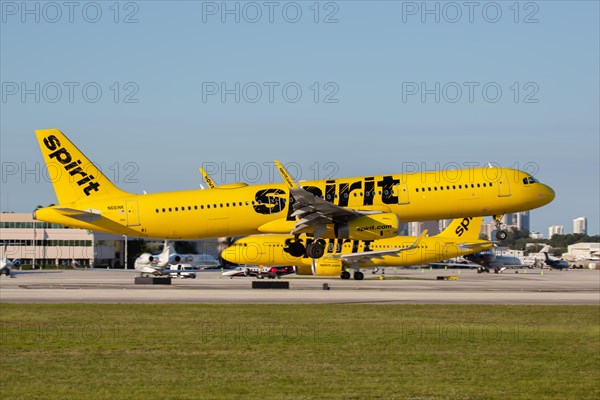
(299, 351)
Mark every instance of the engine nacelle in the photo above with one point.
(369, 227)
(322, 267)
(16, 262)
(145, 258)
(174, 259)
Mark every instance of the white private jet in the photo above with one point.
(169, 262)
(7, 268)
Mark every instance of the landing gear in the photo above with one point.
(345, 275)
(315, 250)
(359, 276)
(295, 249)
(501, 234)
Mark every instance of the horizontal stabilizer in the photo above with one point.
(86, 216)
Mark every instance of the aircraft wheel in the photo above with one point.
(345, 275)
(315, 250)
(501, 235)
(295, 249)
(359, 276)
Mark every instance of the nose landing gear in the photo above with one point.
(501, 233)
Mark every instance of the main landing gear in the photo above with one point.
(359, 276)
(501, 234)
(315, 249)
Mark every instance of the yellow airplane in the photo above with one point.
(361, 208)
(458, 239)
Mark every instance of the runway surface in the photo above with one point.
(96, 286)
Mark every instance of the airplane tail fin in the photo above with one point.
(463, 228)
(73, 175)
(545, 249)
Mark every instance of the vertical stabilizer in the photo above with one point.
(74, 176)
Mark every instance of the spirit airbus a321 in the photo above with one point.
(341, 255)
(361, 208)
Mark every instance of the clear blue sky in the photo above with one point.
(384, 85)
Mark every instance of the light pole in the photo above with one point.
(125, 244)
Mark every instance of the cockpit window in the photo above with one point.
(529, 180)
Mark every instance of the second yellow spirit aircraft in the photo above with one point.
(361, 208)
(458, 239)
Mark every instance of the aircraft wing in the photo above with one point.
(369, 255)
(315, 211)
(86, 216)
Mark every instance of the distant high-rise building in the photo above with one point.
(523, 221)
(580, 225)
(443, 224)
(414, 228)
(518, 220)
(536, 235)
(488, 228)
(555, 230)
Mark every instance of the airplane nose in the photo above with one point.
(548, 194)
(229, 255)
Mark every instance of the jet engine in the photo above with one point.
(174, 259)
(321, 267)
(369, 227)
(145, 258)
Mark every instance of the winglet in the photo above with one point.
(285, 175)
(419, 240)
(209, 181)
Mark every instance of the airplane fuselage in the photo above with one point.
(268, 250)
(240, 209)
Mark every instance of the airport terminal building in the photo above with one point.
(45, 244)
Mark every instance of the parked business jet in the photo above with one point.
(6, 266)
(554, 263)
(259, 272)
(169, 262)
(489, 260)
(361, 208)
